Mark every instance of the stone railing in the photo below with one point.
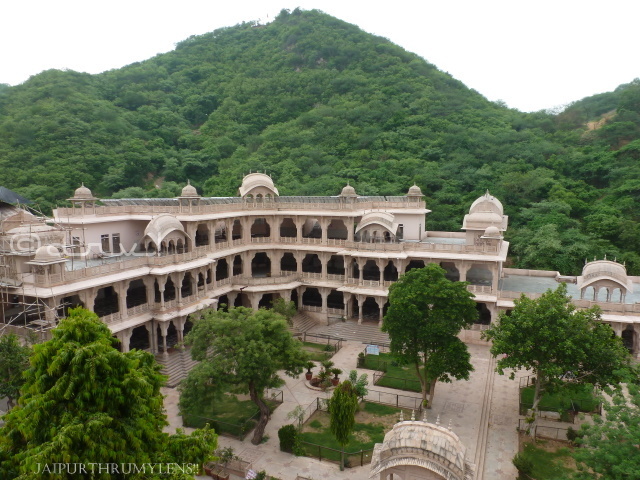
(486, 289)
(280, 205)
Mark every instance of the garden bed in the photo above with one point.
(372, 422)
(401, 377)
(318, 352)
(227, 415)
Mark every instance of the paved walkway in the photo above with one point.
(483, 412)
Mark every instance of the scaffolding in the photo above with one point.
(22, 313)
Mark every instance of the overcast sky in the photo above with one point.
(531, 55)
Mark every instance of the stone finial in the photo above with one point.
(424, 416)
(438, 420)
(401, 416)
(413, 415)
(449, 426)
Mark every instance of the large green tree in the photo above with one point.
(342, 413)
(612, 441)
(426, 313)
(240, 351)
(14, 360)
(85, 402)
(555, 341)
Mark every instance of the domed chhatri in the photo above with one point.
(348, 191)
(607, 276)
(492, 232)
(189, 190)
(414, 191)
(82, 193)
(47, 254)
(420, 449)
(257, 185)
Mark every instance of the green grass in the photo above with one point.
(365, 435)
(225, 414)
(316, 351)
(583, 398)
(548, 465)
(398, 377)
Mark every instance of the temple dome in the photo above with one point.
(47, 254)
(189, 190)
(414, 191)
(83, 193)
(161, 226)
(348, 191)
(492, 232)
(487, 203)
(257, 184)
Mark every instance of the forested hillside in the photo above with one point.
(317, 102)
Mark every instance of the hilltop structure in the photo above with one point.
(144, 265)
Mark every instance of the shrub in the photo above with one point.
(573, 435)
(329, 348)
(288, 436)
(523, 463)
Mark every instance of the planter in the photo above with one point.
(208, 468)
(335, 381)
(308, 376)
(223, 475)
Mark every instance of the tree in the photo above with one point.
(85, 402)
(612, 441)
(342, 410)
(240, 351)
(426, 313)
(287, 309)
(555, 341)
(14, 360)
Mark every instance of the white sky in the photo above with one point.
(531, 54)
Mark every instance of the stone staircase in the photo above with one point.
(350, 330)
(303, 323)
(176, 366)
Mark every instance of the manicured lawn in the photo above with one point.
(396, 376)
(372, 422)
(551, 460)
(582, 398)
(226, 414)
(317, 351)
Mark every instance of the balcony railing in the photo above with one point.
(281, 205)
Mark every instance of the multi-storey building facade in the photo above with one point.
(144, 265)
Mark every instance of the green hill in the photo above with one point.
(317, 102)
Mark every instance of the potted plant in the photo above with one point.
(309, 366)
(324, 379)
(335, 380)
(327, 365)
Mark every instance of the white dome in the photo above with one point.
(189, 190)
(83, 193)
(348, 191)
(47, 254)
(161, 226)
(414, 191)
(487, 203)
(260, 181)
(492, 232)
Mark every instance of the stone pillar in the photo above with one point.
(125, 337)
(324, 293)
(162, 284)
(349, 222)
(360, 303)
(254, 298)
(380, 301)
(299, 224)
(636, 337)
(361, 271)
(179, 324)
(324, 224)
(347, 300)
(380, 271)
(324, 258)
(164, 326)
(122, 298)
(179, 276)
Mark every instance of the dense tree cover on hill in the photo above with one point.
(316, 102)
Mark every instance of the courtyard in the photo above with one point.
(483, 412)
